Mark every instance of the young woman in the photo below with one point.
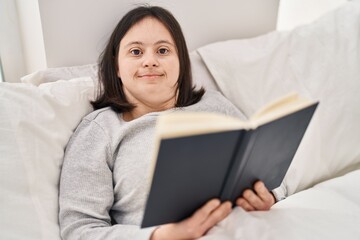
(144, 71)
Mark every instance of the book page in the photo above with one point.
(180, 124)
(278, 108)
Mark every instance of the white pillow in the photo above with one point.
(200, 73)
(63, 73)
(320, 60)
(35, 126)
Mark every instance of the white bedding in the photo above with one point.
(330, 210)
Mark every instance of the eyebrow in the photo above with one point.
(141, 43)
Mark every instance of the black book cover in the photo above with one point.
(192, 170)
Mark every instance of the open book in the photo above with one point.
(201, 156)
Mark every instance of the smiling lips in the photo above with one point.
(150, 75)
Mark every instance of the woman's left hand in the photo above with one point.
(260, 198)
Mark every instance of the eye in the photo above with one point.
(136, 52)
(163, 51)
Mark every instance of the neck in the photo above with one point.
(141, 111)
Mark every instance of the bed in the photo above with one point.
(320, 60)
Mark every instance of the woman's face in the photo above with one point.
(148, 65)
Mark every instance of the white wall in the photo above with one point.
(11, 52)
(293, 13)
(75, 31)
(32, 37)
(21, 44)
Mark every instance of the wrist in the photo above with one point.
(156, 234)
(164, 232)
(153, 234)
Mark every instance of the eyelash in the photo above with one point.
(167, 51)
(132, 51)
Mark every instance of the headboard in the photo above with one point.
(75, 31)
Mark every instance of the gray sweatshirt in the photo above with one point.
(105, 174)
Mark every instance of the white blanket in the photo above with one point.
(330, 210)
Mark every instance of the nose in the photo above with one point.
(150, 60)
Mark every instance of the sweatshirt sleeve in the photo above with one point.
(86, 189)
(280, 193)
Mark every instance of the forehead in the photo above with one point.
(148, 30)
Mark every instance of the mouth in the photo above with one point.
(151, 75)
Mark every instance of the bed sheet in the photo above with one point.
(329, 210)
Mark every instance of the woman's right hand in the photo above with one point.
(195, 226)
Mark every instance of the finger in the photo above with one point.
(197, 225)
(190, 228)
(244, 204)
(264, 194)
(216, 216)
(203, 213)
(253, 199)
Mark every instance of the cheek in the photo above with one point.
(125, 70)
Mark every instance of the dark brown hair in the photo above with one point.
(111, 91)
